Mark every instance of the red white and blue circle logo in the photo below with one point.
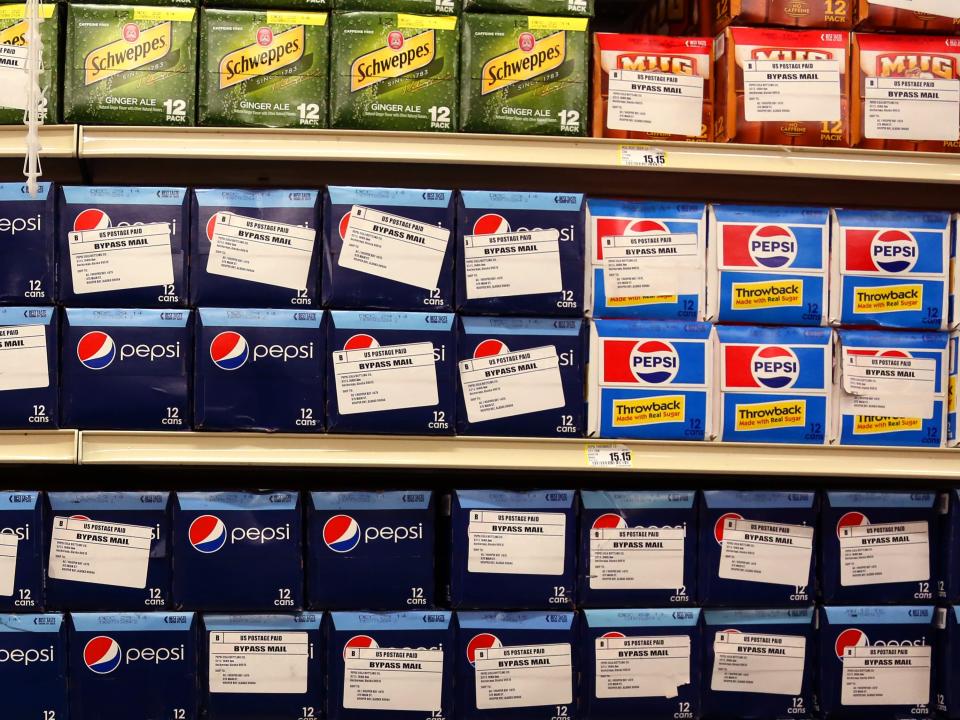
(850, 638)
(481, 641)
(491, 224)
(358, 641)
(851, 519)
(208, 534)
(490, 347)
(721, 522)
(612, 634)
(96, 350)
(229, 350)
(91, 219)
(609, 521)
(772, 246)
(775, 367)
(361, 341)
(102, 655)
(341, 533)
(894, 251)
(654, 361)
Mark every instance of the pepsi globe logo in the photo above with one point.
(772, 246)
(93, 218)
(609, 521)
(207, 534)
(341, 533)
(102, 655)
(775, 367)
(491, 347)
(361, 341)
(721, 524)
(358, 642)
(96, 350)
(894, 251)
(654, 361)
(613, 634)
(850, 638)
(229, 350)
(344, 225)
(491, 224)
(481, 641)
(851, 519)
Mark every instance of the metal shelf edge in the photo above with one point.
(57, 141)
(39, 446)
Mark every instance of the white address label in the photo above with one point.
(886, 675)
(512, 383)
(8, 562)
(801, 90)
(523, 676)
(655, 102)
(121, 258)
(647, 666)
(766, 552)
(888, 386)
(911, 109)
(759, 663)
(641, 266)
(513, 263)
(392, 679)
(391, 377)
(13, 76)
(943, 8)
(884, 553)
(636, 558)
(23, 357)
(259, 662)
(516, 543)
(103, 553)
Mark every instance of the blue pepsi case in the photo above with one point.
(647, 260)
(391, 372)
(126, 369)
(123, 246)
(133, 666)
(238, 551)
(254, 248)
(517, 665)
(259, 370)
(521, 377)
(876, 662)
(948, 662)
(757, 548)
(881, 547)
(33, 666)
(953, 433)
(21, 551)
(768, 264)
(890, 268)
(29, 381)
(637, 548)
(263, 667)
(27, 245)
(390, 665)
(640, 663)
(950, 557)
(108, 550)
(513, 549)
(520, 253)
(386, 536)
(388, 248)
(650, 380)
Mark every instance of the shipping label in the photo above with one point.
(121, 258)
(943, 8)
(655, 102)
(650, 666)
(13, 76)
(104, 553)
(392, 377)
(884, 553)
(515, 263)
(767, 552)
(799, 90)
(516, 543)
(651, 265)
(886, 675)
(523, 676)
(888, 386)
(758, 663)
(639, 558)
(512, 383)
(23, 357)
(269, 662)
(392, 679)
(8, 562)
(911, 109)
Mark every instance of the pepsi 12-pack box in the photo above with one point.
(950, 555)
(948, 658)
(33, 655)
(27, 244)
(21, 551)
(29, 362)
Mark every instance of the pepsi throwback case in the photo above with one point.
(768, 264)
(27, 244)
(21, 552)
(390, 665)
(950, 555)
(108, 550)
(758, 664)
(391, 372)
(647, 260)
(953, 433)
(29, 368)
(517, 665)
(259, 370)
(640, 664)
(388, 248)
(513, 550)
(650, 380)
(948, 663)
(123, 246)
(126, 369)
(254, 248)
(238, 551)
(638, 548)
(521, 376)
(133, 666)
(387, 537)
(757, 548)
(890, 388)
(520, 253)
(890, 268)
(263, 666)
(881, 547)
(33, 658)
(876, 662)
(775, 384)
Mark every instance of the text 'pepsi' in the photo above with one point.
(33, 666)
(27, 244)
(29, 377)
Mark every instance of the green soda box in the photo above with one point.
(525, 75)
(575, 8)
(293, 5)
(419, 7)
(130, 65)
(13, 61)
(394, 71)
(263, 68)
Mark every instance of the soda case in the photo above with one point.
(912, 15)
(21, 553)
(254, 248)
(948, 663)
(420, 7)
(949, 587)
(388, 248)
(775, 384)
(306, 5)
(758, 663)
(802, 14)
(29, 382)
(384, 535)
(875, 662)
(263, 666)
(650, 380)
(27, 245)
(524, 74)
(513, 549)
(123, 246)
(521, 376)
(238, 551)
(13, 40)
(881, 547)
(259, 370)
(126, 369)
(391, 372)
(953, 436)
(33, 655)
(107, 550)
(133, 666)
(390, 665)
(768, 264)
(782, 87)
(890, 388)
(890, 268)
(649, 87)
(647, 260)
(757, 548)
(640, 663)
(520, 253)
(130, 65)
(575, 8)
(263, 68)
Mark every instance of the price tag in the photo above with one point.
(609, 456)
(642, 156)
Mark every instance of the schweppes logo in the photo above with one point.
(773, 293)
(771, 415)
(16, 34)
(531, 58)
(889, 298)
(268, 54)
(135, 49)
(872, 424)
(916, 65)
(398, 57)
(672, 64)
(649, 411)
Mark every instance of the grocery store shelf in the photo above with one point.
(58, 141)
(40, 446)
